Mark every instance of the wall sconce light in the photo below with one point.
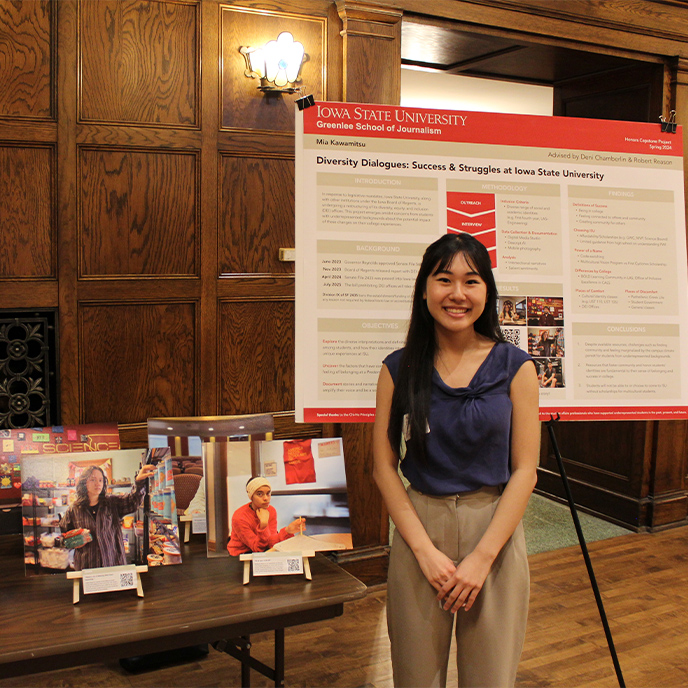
(277, 64)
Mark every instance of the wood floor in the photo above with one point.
(644, 584)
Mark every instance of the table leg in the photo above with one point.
(240, 648)
(245, 662)
(279, 658)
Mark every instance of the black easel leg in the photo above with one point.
(584, 548)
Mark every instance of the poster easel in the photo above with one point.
(584, 549)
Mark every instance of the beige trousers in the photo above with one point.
(490, 636)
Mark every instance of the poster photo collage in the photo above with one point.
(536, 324)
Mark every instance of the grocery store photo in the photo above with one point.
(106, 509)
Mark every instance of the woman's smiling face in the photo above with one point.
(455, 296)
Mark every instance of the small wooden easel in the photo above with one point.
(76, 576)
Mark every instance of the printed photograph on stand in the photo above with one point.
(161, 522)
(82, 511)
(295, 501)
(301, 499)
(183, 439)
(186, 438)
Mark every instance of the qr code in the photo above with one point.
(293, 565)
(512, 335)
(126, 580)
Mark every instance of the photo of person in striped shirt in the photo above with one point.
(100, 513)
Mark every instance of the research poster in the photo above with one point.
(585, 224)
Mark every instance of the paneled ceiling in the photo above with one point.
(457, 51)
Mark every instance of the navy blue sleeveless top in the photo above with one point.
(468, 444)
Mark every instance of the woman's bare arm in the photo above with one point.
(436, 566)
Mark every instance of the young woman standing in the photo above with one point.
(458, 407)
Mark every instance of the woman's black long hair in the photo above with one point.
(414, 379)
(81, 490)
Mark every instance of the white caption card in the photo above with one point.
(199, 524)
(109, 579)
(277, 563)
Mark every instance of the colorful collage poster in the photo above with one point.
(56, 439)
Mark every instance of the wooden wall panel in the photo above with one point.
(256, 214)
(27, 227)
(26, 61)
(139, 212)
(256, 356)
(137, 361)
(364, 498)
(243, 105)
(362, 84)
(139, 62)
(639, 28)
(631, 94)
(667, 480)
(603, 452)
(607, 465)
(372, 43)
